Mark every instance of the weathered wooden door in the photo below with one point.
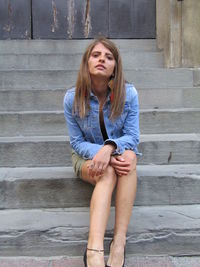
(77, 19)
(15, 19)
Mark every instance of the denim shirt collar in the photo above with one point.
(93, 96)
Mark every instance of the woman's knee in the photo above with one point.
(131, 157)
(109, 176)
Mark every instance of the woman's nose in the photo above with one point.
(101, 59)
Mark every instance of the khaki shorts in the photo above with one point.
(77, 162)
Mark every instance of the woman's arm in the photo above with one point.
(130, 132)
(85, 149)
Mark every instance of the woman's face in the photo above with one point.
(101, 62)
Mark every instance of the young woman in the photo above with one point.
(102, 115)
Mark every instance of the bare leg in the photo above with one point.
(125, 195)
(99, 212)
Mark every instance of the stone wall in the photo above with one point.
(191, 33)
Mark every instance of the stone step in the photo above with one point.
(53, 123)
(43, 100)
(60, 79)
(58, 187)
(157, 230)
(77, 261)
(69, 46)
(72, 61)
(185, 97)
(170, 121)
(55, 151)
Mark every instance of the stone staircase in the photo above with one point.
(43, 206)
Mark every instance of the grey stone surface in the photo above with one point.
(53, 122)
(33, 123)
(185, 261)
(170, 121)
(27, 100)
(59, 188)
(56, 151)
(77, 261)
(159, 98)
(60, 79)
(69, 46)
(72, 62)
(167, 230)
(160, 78)
(196, 78)
(150, 98)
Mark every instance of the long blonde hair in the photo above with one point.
(83, 83)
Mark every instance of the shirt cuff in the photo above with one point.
(112, 142)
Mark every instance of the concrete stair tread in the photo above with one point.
(58, 187)
(170, 137)
(176, 170)
(39, 151)
(147, 110)
(52, 99)
(150, 69)
(146, 89)
(66, 53)
(146, 78)
(22, 139)
(69, 46)
(52, 122)
(130, 59)
(53, 232)
(143, 138)
(77, 261)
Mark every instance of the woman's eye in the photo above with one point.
(95, 55)
(110, 57)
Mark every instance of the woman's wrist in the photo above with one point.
(110, 147)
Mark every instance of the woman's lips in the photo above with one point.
(100, 66)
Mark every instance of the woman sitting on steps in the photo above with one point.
(102, 115)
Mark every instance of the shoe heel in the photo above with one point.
(85, 258)
(109, 251)
(124, 254)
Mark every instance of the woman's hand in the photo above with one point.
(121, 166)
(100, 161)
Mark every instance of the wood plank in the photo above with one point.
(15, 19)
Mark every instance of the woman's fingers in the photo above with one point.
(123, 169)
(120, 158)
(121, 166)
(118, 163)
(99, 170)
(96, 168)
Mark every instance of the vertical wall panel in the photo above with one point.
(132, 19)
(49, 19)
(69, 19)
(144, 18)
(99, 12)
(15, 19)
(87, 18)
(120, 19)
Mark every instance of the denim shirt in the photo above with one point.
(85, 134)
